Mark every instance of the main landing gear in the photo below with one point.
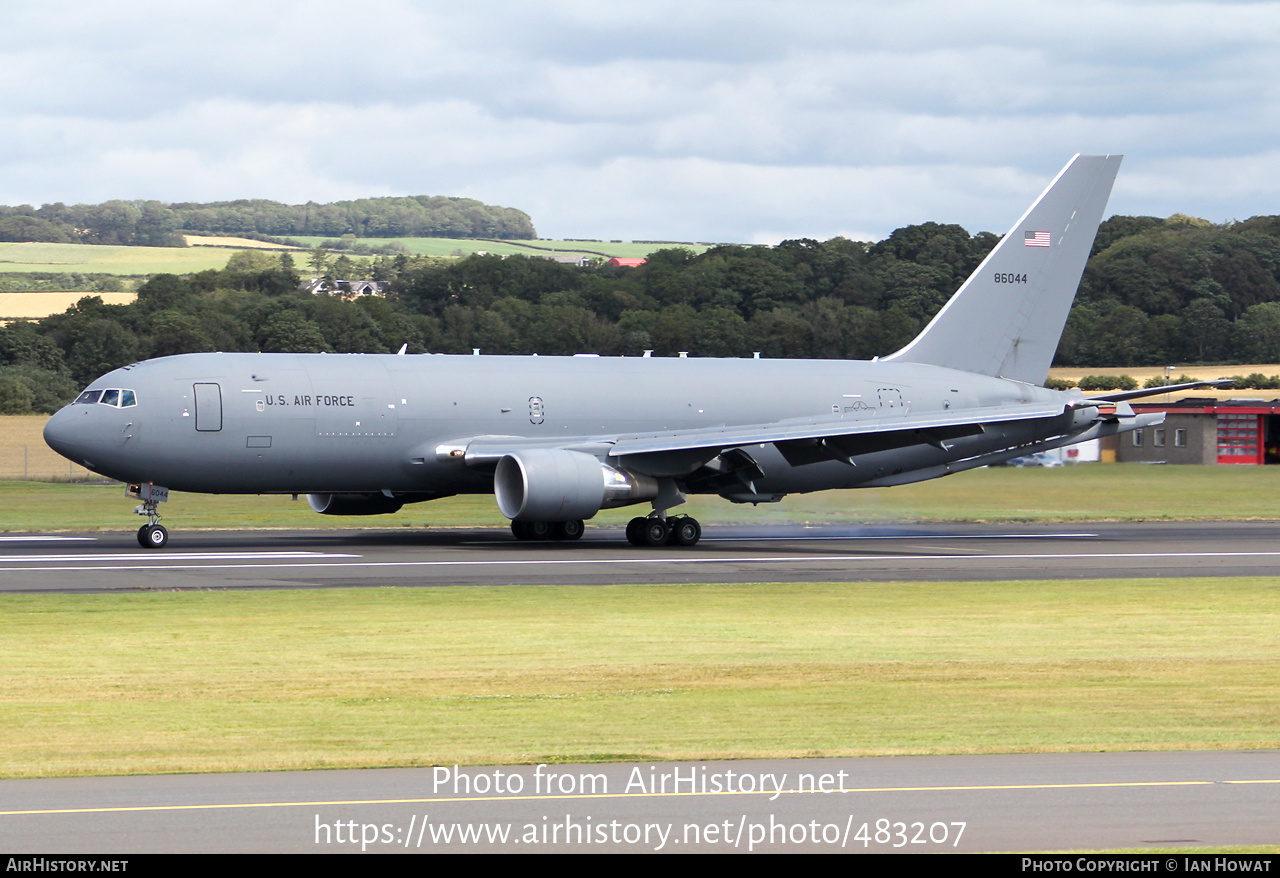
(676, 530)
(562, 531)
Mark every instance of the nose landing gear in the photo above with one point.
(151, 535)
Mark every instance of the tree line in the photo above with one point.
(1155, 292)
(156, 224)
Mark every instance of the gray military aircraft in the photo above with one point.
(557, 439)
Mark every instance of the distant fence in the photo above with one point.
(40, 464)
(23, 454)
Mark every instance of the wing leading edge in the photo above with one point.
(680, 452)
(817, 429)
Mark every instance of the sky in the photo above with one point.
(689, 120)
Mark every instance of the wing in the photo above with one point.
(566, 479)
(810, 440)
(801, 441)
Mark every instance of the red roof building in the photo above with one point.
(1206, 431)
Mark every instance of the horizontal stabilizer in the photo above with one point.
(1121, 395)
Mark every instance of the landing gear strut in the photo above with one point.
(151, 535)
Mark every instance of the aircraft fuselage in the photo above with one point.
(314, 423)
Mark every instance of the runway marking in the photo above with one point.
(47, 539)
(941, 549)
(181, 556)
(659, 795)
(818, 537)
(538, 562)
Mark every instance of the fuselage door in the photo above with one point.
(208, 408)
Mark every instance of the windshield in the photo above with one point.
(114, 397)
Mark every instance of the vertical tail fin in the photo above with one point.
(1007, 318)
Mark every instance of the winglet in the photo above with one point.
(1007, 318)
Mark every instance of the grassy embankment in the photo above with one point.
(302, 679)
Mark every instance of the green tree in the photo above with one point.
(287, 331)
(15, 396)
(96, 345)
(1258, 333)
(1207, 331)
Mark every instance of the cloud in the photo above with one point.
(690, 120)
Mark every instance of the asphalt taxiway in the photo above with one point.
(1037, 802)
(434, 557)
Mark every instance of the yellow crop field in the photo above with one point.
(23, 454)
(35, 306)
(1142, 374)
(237, 243)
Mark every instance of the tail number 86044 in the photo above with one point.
(1006, 278)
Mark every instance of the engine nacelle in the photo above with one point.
(552, 484)
(353, 504)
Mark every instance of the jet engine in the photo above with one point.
(552, 484)
(354, 504)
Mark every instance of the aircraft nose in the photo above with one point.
(60, 434)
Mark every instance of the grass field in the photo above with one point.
(96, 259)
(1089, 492)
(191, 681)
(452, 246)
(125, 261)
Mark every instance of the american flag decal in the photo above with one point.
(1036, 239)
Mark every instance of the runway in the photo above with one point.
(973, 803)
(1035, 802)
(881, 553)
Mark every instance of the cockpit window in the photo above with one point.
(113, 397)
